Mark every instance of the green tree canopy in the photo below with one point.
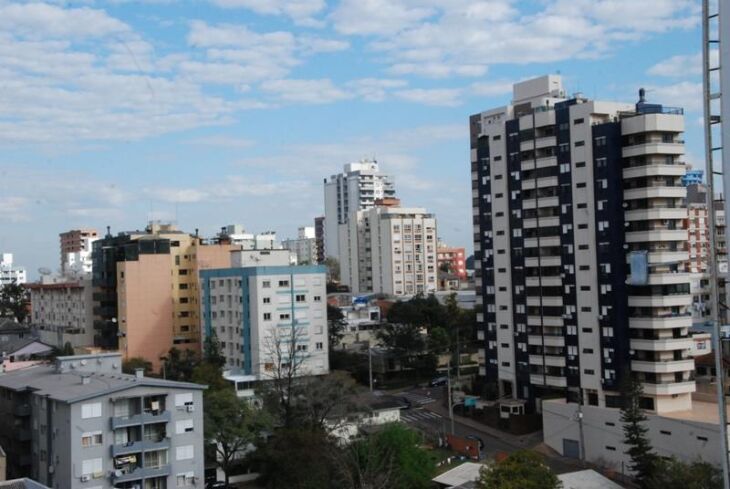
(522, 469)
(212, 351)
(14, 301)
(674, 474)
(636, 439)
(179, 364)
(335, 325)
(231, 425)
(130, 366)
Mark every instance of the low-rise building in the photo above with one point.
(266, 312)
(63, 312)
(82, 424)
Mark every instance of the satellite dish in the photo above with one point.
(44, 271)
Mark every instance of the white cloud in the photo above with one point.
(177, 195)
(682, 65)
(444, 38)
(687, 95)
(301, 11)
(222, 141)
(14, 208)
(491, 88)
(39, 20)
(374, 89)
(319, 91)
(448, 97)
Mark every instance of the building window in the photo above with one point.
(578, 144)
(92, 410)
(267, 300)
(580, 185)
(319, 346)
(185, 452)
(92, 467)
(580, 164)
(91, 439)
(184, 399)
(184, 426)
(266, 284)
(285, 316)
(283, 283)
(301, 298)
(267, 316)
(589, 371)
(184, 480)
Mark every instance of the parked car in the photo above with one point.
(438, 381)
(216, 485)
(477, 439)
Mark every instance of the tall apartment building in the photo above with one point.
(304, 247)
(76, 247)
(82, 424)
(62, 312)
(10, 273)
(146, 290)
(567, 191)
(319, 237)
(452, 259)
(256, 304)
(389, 249)
(356, 188)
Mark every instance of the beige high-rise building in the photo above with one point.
(147, 294)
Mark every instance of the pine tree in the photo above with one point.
(635, 433)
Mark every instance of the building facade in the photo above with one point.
(319, 236)
(304, 247)
(567, 191)
(82, 424)
(452, 260)
(63, 313)
(266, 312)
(356, 188)
(235, 234)
(10, 273)
(146, 297)
(389, 249)
(76, 248)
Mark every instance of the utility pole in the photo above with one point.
(370, 365)
(448, 387)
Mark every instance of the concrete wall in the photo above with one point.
(603, 433)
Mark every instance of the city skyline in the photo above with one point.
(208, 114)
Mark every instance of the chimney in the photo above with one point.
(85, 379)
(642, 96)
(139, 373)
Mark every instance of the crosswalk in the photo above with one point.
(416, 416)
(419, 399)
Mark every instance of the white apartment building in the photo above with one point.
(262, 307)
(10, 273)
(305, 247)
(78, 264)
(356, 188)
(62, 312)
(568, 191)
(389, 249)
(237, 235)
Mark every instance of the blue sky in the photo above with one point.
(213, 112)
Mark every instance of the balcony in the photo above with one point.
(667, 344)
(656, 213)
(545, 301)
(663, 367)
(536, 340)
(545, 141)
(666, 278)
(22, 410)
(543, 222)
(548, 241)
(666, 256)
(657, 235)
(669, 322)
(545, 321)
(651, 170)
(669, 389)
(139, 446)
(541, 182)
(659, 300)
(655, 192)
(551, 380)
(138, 419)
(545, 281)
(544, 261)
(541, 202)
(654, 148)
(140, 473)
(550, 360)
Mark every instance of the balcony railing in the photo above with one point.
(139, 446)
(138, 419)
(138, 473)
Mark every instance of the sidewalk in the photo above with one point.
(516, 441)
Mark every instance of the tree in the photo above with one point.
(298, 459)
(14, 301)
(130, 366)
(212, 350)
(412, 467)
(522, 469)
(208, 374)
(231, 425)
(336, 324)
(672, 473)
(635, 432)
(179, 364)
(319, 401)
(333, 269)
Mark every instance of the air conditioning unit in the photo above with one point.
(85, 478)
(190, 408)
